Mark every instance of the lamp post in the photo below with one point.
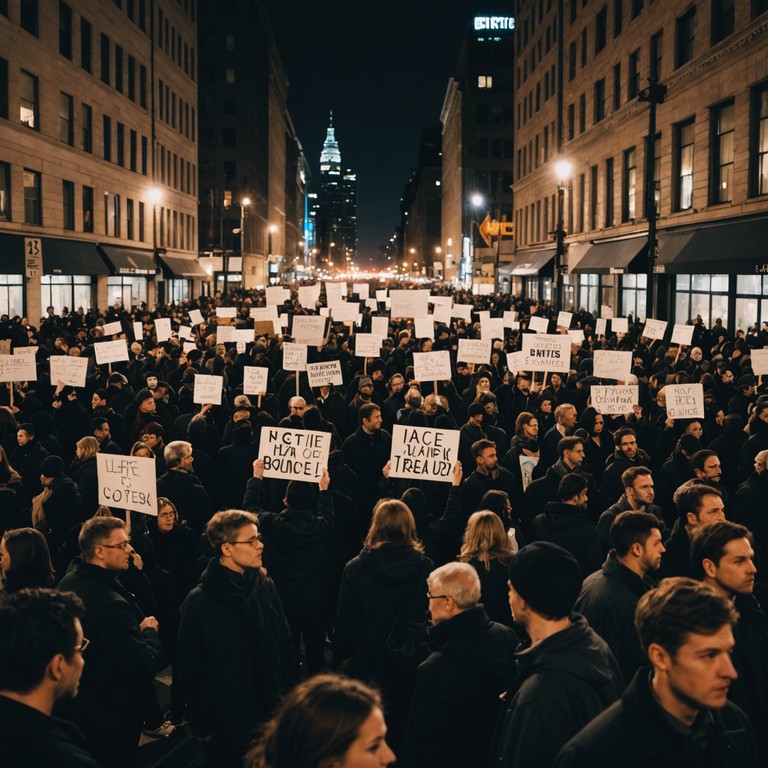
(477, 201)
(244, 203)
(562, 173)
(270, 231)
(154, 196)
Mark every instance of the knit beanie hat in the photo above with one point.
(52, 466)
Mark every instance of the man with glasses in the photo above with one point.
(181, 485)
(235, 652)
(125, 652)
(41, 661)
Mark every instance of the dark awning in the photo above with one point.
(531, 262)
(737, 248)
(72, 257)
(129, 261)
(614, 257)
(12, 254)
(178, 266)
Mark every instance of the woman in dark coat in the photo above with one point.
(85, 474)
(25, 561)
(599, 446)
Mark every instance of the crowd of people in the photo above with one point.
(587, 587)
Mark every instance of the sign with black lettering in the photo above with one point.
(421, 453)
(127, 482)
(547, 352)
(684, 401)
(294, 454)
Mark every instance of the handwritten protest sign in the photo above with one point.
(207, 389)
(138, 330)
(262, 314)
(112, 329)
(26, 352)
(163, 329)
(759, 359)
(294, 357)
(335, 293)
(612, 365)
(380, 327)
(69, 370)
(111, 351)
(510, 319)
(564, 319)
(367, 345)
(242, 335)
(441, 302)
(308, 329)
(277, 295)
(227, 311)
(547, 352)
(196, 317)
(409, 303)
(576, 335)
(421, 453)
(684, 401)
(18, 368)
(346, 312)
(484, 289)
(361, 289)
(515, 361)
(255, 380)
(474, 351)
(424, 328)
(327, 373)
(654, 329)
(601, 327)
(606, 311)
(619, 325)
(682, 334)
(294, 454)
(616, 400)
(538, 324)
(492, 328)
(186, 332)
(127, 482)
(224, 334)
(309, 295)
(432, 366)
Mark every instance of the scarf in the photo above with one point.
(38, 512)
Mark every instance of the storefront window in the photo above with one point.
(532, 287)
(70, 291)
(701, 295)
(11, 295)
(177, 290)
(589, 288)
(751, 310)
(633, 295)
(546, 289)
(129, 291)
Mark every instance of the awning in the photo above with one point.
(532, 262)
(72, 257)
(613, 258)
(737, 248)
(12, 254)
(178, 266)
(129, 261)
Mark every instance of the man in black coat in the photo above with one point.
(626, 455)
(41, 661)
(679, 714)
(566, 418)
(26, 460)
(101, 429)
(749, 503)
(235, 652)
(235, 462)
(488, 476)
(124, 653)
(456, 699)
(609, 596)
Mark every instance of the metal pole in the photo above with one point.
(559, 246)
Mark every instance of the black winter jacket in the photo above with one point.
(189, 497)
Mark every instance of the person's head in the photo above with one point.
(178, 455)
(141, 449)
(167, 516)
(694, 428)
(705, 465)
(370, 418)
(51, 468)
(99, 399)
(638, 486)
(415, 500)
(485, 538)
(234, 537)
(327, 721)
(544, 581)
(104, 542)
(572, 490)
(396, 383)
(699, 504)
(431, 404)
(25, 558)
(25, 434)
(498, 502)
(299, 495)
(527, 426)
(592, 420)
(453, 589)
(41, 643)
(484, 454)
(392, 523)
(523, 382)
(297, 406)
(99, 428)
(413, 398)
(475, 414)
(761, 464)
(482, 384)
(571, 451)
(625, 441)
(566, 415)
(723, 557)
(636, 537)
(86, 448)
(145, 401)
(686, 630)
(152, 435)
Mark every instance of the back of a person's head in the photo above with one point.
(30, 559)
(496, 501)
(392, 522)
(630, 528)
(415, 500)
(300, 495)
(485, 539)
(571, 485)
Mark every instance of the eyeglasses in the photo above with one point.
(252, 541)
(166, 515)
(81, 648)
(437, 597)
(122, 545)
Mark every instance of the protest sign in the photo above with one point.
(138, 330)
(444, 302)
(515, 361)
(111, 351)
(18, 367)
(276, 295)
(682, 334)
(424, 328)
(654, 329)
(441, 315)
(361, 289)
(255, 380)
(759, 359)
(112, 329)
(323, 374)
(5, 346)
(264, 313)
(612, 365)
(196, 317)
(601, 327)
(207, 389)
(462, 311)
(510, 319)
(483, 314)
(294, 454)
(411, 304)
(492, 328)
(538, 324)
(266, 327)
(616, 400)
(527, 465)
(372, 304)
(619, 325)
(309, 295)
(294, 357)
(576, 335)
(380, 327)
(163, 329)
(308, 329)
(186, 332)
(127, 482)
(242, 335)
(227, 311)
(224, 334)
(606, 311)
(346, 312)
(26, 352)
(381, 294)
(564, 319)
(421, 453)
(485, 289)
(68, 370)
(547, 352)
(684, 401)
(432, 366)
(367, 345)
(474, 351)
(335, 293)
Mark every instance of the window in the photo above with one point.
(758, 7)
(120, 144)
(618, 17)
(601, 29)
(129, 218)
(86, 52)
(68, 203)
(144, 155)
(140, 235)
(131, 78)
(229, 137)
(71, 291)
(485, 82)
(701, 295)
(143, 86)
(5, 191)
(609, 192)
(656, 175)
(723, 17)
(86, 118)
(582, 113)
(637, 7)
(3, 88)
(12, 295)
(571, 61)
(130, 291)
(721, 144)
(683, 172)
(177, 290)
(582, 181)
(229, 76)
(67, 119)
(571, 122)
(28, 16)
(593, 171)
(751, 301)
(616, 87)
(758, 143)
(87, 209)
(33, 208)
(65, 30)
(111, 214)
(684, 33)
(104, 59)
(629, 183)
(118, 69)
(589, 290)
(633, 74)
(29, 114)
(633, 295)
(584, 47)
(133, 150)
(599, 111)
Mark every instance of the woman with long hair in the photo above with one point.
(25, 560)
(328, 720)
(599, 446)
(85, 473)
(383, 608)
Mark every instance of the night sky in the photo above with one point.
(382, 66)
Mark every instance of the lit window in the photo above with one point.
(485, 82)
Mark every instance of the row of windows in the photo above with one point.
(176, 229)
(183, 118)
(123, 64)
(170, 41)
(175, 171)
(536, 151)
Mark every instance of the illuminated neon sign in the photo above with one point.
(494, 23)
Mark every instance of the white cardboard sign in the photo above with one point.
(547, 352)
(654, 329)
(685, 401)
(294, 454)
(367, 345)
(196, 317)
(759, 359)
(69, 370)
(207, 389)
(424, 328)
(381, 295)
(243, 335)
(346, 312)
(294, 357)
(510, 319)
(616, 400)
(538, 324)
(619, 325)
(255, 380)
(309, 295)
(411, 304)
(327, 373)
(492, 328)
(515, 361)
(308, 329)
(261, 314)
(564, 319)
(682, 334)
(612, 365)
(422, 453)
(361, 289)
(474, 351)
(111, 351)
(112, 329)
(576, 335)
(462, 311)
(18, 367)
(380, 327)
(138, 331)
(432, 366)
(601, 327)
(227, 311)
(127, 482)
(276, 295)
(163, 329)
(335, 293)
(224, 333)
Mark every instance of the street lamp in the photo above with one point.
(478, 201)
(562, 173)
(244, 203)
(155, 195)
(270, 231)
